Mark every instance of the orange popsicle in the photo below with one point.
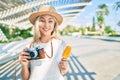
(66, 52)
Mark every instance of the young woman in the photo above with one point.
(51, 66)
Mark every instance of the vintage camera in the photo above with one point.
(36, 52)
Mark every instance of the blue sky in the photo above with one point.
(89, 11)
(85, 17)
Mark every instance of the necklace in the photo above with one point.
(51, 51)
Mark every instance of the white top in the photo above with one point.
(47, 68)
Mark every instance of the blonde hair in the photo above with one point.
(37, 35)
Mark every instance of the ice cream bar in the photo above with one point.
(66, 52)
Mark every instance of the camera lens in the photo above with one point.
(32, 54)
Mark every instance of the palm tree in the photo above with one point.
(118, 23)
(117, 5)
(101, 13)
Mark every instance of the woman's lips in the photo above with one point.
(46, 29)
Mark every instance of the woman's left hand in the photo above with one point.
(63, 66)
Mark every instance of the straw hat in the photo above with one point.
(46, 10)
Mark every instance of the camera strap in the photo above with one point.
(42, 51)
(51, 51)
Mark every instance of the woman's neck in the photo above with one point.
(45, 39)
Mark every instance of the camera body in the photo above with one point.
(35, 52)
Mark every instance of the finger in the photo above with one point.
(25, 60)
(62, 67)
(64, 59)
(26, 57)
(64, 64)
(24, 54)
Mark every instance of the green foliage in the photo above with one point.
(93, 29)
(69, 29)
(117, 5)
(25, 33)
(93, 34)
(15, 33)
(118, 23)
(3, 41)
(104, 7)
(83, 31)
(117, 8)
(109, 31)
(116, 35)
(100, 19)
(103, 11)
(5, 30)
(88, 28)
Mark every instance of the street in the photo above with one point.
(91, 59)
(99, 57)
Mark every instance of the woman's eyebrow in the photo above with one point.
(50, 18)
(41, 17)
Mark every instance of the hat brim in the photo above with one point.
(33, 16)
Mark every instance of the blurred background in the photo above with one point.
(91, 27)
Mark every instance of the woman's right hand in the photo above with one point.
(24, 58)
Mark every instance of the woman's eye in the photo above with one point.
(42, 20)
(50, 21)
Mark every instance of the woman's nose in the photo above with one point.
(46, 24)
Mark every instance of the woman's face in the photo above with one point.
(46, 25)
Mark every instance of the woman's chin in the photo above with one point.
(47, 34)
